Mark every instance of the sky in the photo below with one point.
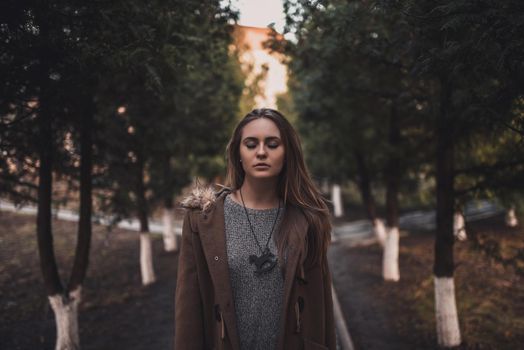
(260, 13)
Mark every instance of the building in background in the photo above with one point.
(250, 41)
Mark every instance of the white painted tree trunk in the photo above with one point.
(168, 218)
(390, 270)
(380, 231)
(146, 259)
(459, 226)
(336, 198)
(511, 218)
(448, 331)
(66, 317)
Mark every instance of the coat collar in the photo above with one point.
(211, 228)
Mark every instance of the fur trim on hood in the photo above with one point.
(201, 197)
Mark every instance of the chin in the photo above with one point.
(263, 175)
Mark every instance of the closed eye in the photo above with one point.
(270, 142)
(270, 145)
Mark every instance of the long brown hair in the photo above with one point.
(294, 185)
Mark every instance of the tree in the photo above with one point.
(184, 87)
(45, 84)
(355, 97)
(64, 66)
(439, 75)
(470, 85)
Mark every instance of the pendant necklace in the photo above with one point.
(267, 260)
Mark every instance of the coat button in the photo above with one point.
(216, 257)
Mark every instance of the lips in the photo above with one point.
(261, 165)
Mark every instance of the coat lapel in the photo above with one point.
(297, 235)
(213, 238)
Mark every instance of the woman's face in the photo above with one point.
(261, 149)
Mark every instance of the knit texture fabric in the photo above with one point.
(257, 299)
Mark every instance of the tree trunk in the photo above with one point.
(459, 226)
(336, 198)
(146, 256)
(390, 268)
(511, 218)
(170, 242)
(83, 245)
(448, 332)
(45, 187)
(63, 301)
(146, 259)
(65, 306)
(168, 217)
(379, 229)
(364, 185)
(65, 309)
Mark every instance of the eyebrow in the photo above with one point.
(269, 138)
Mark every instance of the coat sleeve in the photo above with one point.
(189, 324)
(331, 341)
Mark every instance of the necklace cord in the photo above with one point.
(251, 226)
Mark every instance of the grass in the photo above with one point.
(489, 293)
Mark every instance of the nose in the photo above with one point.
(261, 151)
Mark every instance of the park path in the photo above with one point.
(360, 231)
(367, 319)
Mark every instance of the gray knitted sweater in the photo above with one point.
(257, 299)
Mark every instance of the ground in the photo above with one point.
(400, 315)
(118, 313)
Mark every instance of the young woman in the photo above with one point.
(252, 270)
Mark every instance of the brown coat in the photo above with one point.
(204, 308)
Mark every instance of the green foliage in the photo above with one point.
(351, 61)
(350, 66)
(168, 63)
(473, 47)
(180, 105)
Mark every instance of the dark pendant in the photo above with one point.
(264, 263)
